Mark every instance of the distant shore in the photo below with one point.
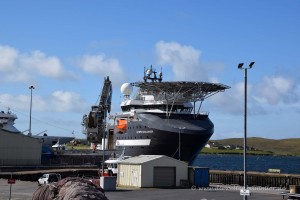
(239, 152)
(262, 146)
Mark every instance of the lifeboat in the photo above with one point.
(121, 125)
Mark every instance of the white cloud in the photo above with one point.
(46, 66)
(24, 67)
(58, 101)
(232, 101)
(184, 60)
(63, 101)
(277, 89)
(8, 58)
(262, 97)
(102, 66)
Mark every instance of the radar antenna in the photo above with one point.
(148, 75)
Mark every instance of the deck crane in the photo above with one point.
(96, 120)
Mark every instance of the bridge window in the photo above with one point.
(175, 108)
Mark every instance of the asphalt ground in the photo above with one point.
(211, 193)
(23, 190)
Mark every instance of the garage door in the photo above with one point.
(164, 177)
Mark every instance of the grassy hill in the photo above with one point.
(234, 151)
(278, 147)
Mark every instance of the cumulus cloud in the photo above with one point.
(58, 101)
(270, 91)
(23, 67)
(46, 66)
(277, 89)
(232, 101)
(184, 60)
(102, 66)
(63, 101)
(8, 58)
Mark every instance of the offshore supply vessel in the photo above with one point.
(160, 119)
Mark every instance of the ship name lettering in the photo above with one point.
(150, 131)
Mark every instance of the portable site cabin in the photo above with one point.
(151, 171)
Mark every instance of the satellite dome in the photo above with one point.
(126, 89)
(149, 72)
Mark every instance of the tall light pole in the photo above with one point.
(31, 88)
(245, 192)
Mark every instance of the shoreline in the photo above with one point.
(240, 152)
(250, 154)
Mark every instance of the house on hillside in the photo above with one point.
(209, 145)
(239, 147)
(213, 145)
(229, 146)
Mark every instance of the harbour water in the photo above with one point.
(287, 164)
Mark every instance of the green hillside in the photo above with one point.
(278, 147)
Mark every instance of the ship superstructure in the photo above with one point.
(7, 121)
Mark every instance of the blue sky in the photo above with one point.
(66, 48)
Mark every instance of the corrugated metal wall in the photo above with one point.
(142, 175)
(17, 149)
(129, 175)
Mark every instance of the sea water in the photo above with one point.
(287, 164)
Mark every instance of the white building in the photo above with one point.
(151, 171)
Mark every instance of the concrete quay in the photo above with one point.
(214, 192)
(24, 190)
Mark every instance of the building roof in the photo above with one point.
(145, 158)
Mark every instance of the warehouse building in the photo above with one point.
(17, 149)
(151, 171)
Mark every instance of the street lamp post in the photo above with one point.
(245, 192)
(31, 88)
(179, 141)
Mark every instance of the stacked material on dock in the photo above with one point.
(254, 178)
(70, 188)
